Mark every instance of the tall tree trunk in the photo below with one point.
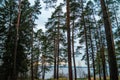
(32, 77)
(103, 62)
(58, 47)
(16, 42)
(101, 43)
(93, 56)
(37, 66)
(86, 43)
(114, 11)
(10, 73)
(102, 55)
(110, 43)
(69, 41)
(99, 66)
(75, 73)
(43, 72)
(43, 67)
(98, 61)
(54, 58)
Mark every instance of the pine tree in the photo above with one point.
(110, 43)
(69, 39)
(23, 44)
(86, 42)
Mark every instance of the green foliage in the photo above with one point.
(43, 44)
(8, 33)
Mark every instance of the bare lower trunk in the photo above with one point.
(98, 61)
(110, 43)
(91, 42)
(43, 67)
(69, 41)
(32, 77)
(99, 66)
(16, 43)
(58, 48)
(43, 73)
(103, 63)
(75, 73)
(37, 68)
(54, 58)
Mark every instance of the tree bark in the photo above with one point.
(54, 58)
(103, 62)
(32, 77)
(98, 60)
(86, 43)
(69, 41)
(110, 43)
(16, 42)
(43, 67)
(75, 73)
(58, 47)
(93, 56)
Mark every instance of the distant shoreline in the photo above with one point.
(66, 66)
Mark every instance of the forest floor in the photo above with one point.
(67, 79)
(81, 79)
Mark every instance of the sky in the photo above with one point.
(45, 14)
(42, 19)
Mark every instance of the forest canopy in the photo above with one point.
(87, 28)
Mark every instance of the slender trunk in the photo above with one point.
(69, 41)
(98, 60)
(43, 76)
(32, 77)
(16, 42)
(75, 73)
(110, 43)
(37, 67)
(103, 63)
(10, 73)
(100, 46)
(44, 72)
(99, 66)
(43, 67)
(86, 44)
(58, 47)
(91, 42)
(54, 58)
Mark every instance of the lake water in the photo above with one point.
(81, 72)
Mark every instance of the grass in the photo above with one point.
(77, 79)
(82, 78)
(67, 79)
